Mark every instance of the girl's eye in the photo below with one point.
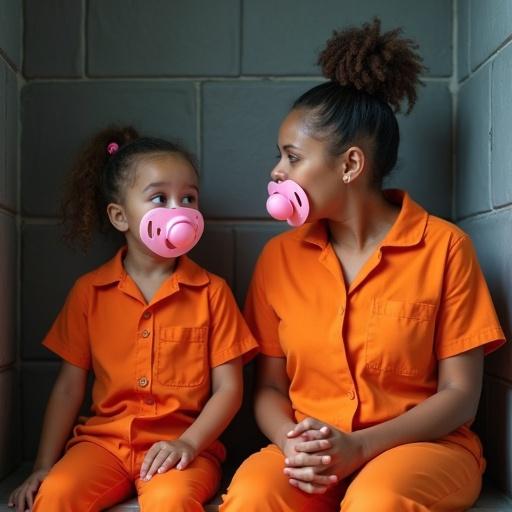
(293, 158)
(159, 199)
(188, 200)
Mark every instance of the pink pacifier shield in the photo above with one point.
(171, 232)
(288, 201)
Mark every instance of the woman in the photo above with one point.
(373, 319)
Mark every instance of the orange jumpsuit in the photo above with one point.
(151, 364)
(362, 355)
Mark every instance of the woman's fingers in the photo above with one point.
(313, 446)
(308, 424)
(305, 459)
(309, 474)
(309, 487)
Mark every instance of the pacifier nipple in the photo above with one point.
(181, 233)
(287, 201)
(279, 207)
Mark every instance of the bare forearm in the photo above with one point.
(60, 416)
(274, 414)
(214, 418)
(437, 416)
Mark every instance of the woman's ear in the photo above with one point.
(353, 164)
(117, 217)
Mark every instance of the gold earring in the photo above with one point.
(346, 178)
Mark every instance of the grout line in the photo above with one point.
(8, 61)
(213, 78)
(491, 57)
(489, 139)
(240, 36)
(55, 221)
(199, 125)
(84, 37)
(454, 89)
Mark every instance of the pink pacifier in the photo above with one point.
(287, 201)
(171, 232)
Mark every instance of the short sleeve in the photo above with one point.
(69, 334)
(466, 317)
(229, 335)
(260, 315)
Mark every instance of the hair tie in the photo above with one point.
(112, 148)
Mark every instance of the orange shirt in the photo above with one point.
(151, 362)
(360, 356)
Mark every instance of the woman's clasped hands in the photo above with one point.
(318, 455)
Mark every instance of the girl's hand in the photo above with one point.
(165, 455)
(314, 442)
(23, 496)
(342, 458)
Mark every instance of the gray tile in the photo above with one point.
(10, 452)
(155, 38)
(37, 380)
(424, 160)
(240, 126)
(285, 37)
(501, 156)
(250, 240)
(498, 444)
(215, 251)
(11, 30)
(53, 38)
(9, 287)
(463, 21)
(49, 269)
(491, 236)
(9, 182)
(59, 117)
(3, 132)
(491, 25)
(474, 145)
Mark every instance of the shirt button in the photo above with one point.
(146, 315)
(351, 394)
(145, 333)
(143, 382)
(149, 401)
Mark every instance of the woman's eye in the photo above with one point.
(188, 200)
(159, 199)
(293, 158)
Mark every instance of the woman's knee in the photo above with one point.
(379, 498)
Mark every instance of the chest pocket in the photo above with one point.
(182, 358)
(400, 337)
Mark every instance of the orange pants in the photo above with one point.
(415, 477)
(90, 478)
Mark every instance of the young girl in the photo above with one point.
(373, 318)
(163, 337)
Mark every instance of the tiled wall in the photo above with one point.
(218, 75)
(483, 195)
(10, 63)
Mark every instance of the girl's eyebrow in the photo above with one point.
(158, 184)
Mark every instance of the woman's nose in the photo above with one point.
(278, 174)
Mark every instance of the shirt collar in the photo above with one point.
(187, 272)
(407, 231)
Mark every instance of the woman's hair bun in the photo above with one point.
(384, 65)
